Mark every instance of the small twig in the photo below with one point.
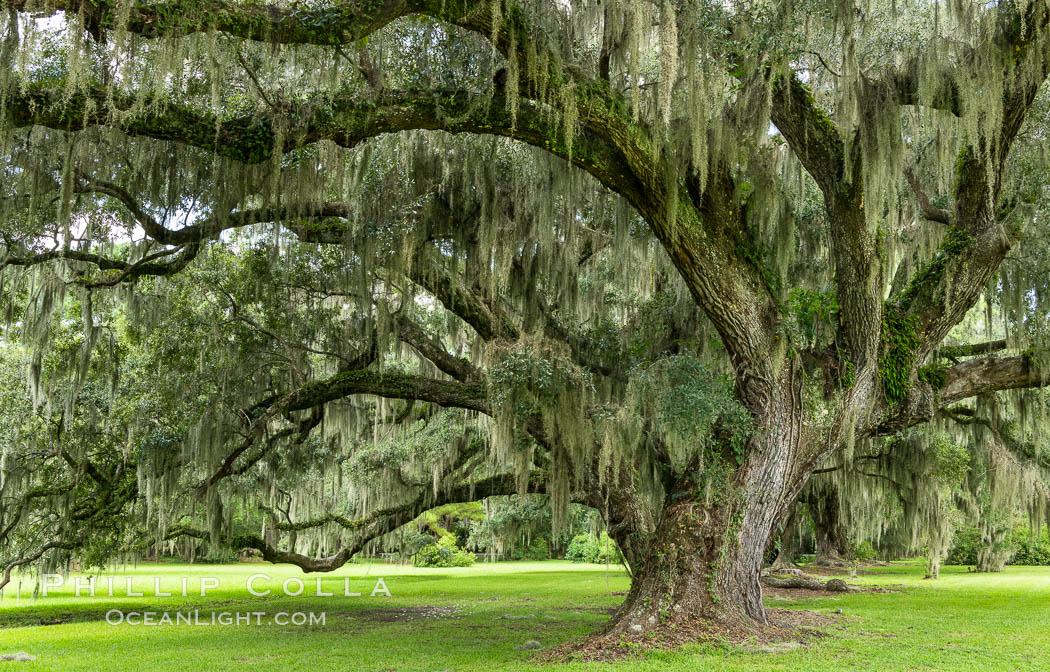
(255, 81)
(823, 62)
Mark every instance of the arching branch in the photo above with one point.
(376, 523)
(346, 120)
(33, 557)
(126, 272)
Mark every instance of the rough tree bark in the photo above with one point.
(705, 559)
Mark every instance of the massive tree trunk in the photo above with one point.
(696, 567)
(705, 559)
(833, 546)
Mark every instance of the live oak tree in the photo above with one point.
(982, 464)
(836, 187)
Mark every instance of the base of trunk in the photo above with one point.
(698, 575)
(934, 556)
(988, 566)
(833, 545)
(831, 560)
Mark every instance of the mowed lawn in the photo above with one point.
(473, 619)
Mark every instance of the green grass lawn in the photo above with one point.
(472, 619)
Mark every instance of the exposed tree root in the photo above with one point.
(802, 582)
(794, 626)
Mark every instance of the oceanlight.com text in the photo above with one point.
(214, 618)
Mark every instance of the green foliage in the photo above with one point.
(965, 544)
(863, 551)
(696, 405)
(538, 549)
(443, 553)
(520, 527)
(934, 374)
(815, 315)
(951, 461)
(593, 548)
(1030, 551)
(542, 373)
(259, 315)
(218, 554)
(898, 344)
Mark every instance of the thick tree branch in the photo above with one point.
(429, 272)
(818, 144)
(955, 352)
(128, 272)
(964, 380)
(27, 559)
(990, 374)
(929, 211)
(813, 137)
(457, 367)
(344, 120)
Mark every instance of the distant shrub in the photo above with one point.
(578, 547)
(443, 553)
(1032, 552)
(590, 548)
(539, 549)
(864, 551)
(967, 542)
